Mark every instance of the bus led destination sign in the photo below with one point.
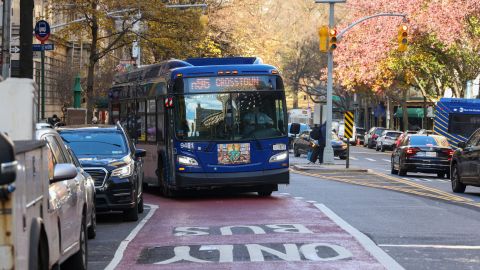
(237, 83)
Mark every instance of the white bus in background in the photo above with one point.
(301, 116)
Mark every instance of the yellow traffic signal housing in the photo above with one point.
(332, 42)
(402, 38)
(323, 38)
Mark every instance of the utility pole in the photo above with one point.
(6, 36)
(26, 38)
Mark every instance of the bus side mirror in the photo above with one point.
(294, 128)
(462, 145)
(8, 165)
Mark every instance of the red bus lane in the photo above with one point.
(246, 232)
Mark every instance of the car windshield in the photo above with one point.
(231, 116)
(379, 131)
(428, 141)
(95, 143)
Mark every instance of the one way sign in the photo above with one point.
(14, 49)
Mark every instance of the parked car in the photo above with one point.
(303, 144)
(67, 204)
(291, 137)
(109, 156)
(465, 166)
(360, 135)
(387, 140)
(422, 153)
(341, 134)
(90, 195)
(372, 135)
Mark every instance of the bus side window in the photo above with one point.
(151, 121)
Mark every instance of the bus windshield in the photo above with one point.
(230, 116)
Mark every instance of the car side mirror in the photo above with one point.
(462, 145)
(140, 153)
(63, 172)
(294, 128)
(8, 165)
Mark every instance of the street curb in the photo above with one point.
(321, 169)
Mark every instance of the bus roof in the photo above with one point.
(460, 105)
(224, 61)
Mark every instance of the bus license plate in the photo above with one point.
(431, 154)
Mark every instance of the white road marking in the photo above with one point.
(387, 170)
(434, 246)
(353, 158)
(366, 242)
(370, 159)
(386, 160)
(298, 198)
(427, 180)
(284, 193)
(123, 245)
(312, 201)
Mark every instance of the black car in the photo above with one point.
(303, 143)
(109, 156)
(465, 166)
(422, 153)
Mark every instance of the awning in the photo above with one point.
(412, 113)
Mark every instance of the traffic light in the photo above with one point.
(333, 39)
(323, 38)
(402, 38)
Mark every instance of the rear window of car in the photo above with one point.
(96, 143)
(393, 134)
(379, 131)
(429, 140)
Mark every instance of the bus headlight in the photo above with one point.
(187, 161)
(279, 157)
(123, 172)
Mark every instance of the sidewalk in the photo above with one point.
(302, 164)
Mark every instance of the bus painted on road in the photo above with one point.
(457, 118)
(206, 122)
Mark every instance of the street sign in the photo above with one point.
(348, 120)
(46, 47)
(42, 31)
(14, 49)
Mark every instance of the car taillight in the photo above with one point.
(449, 152)
(411, 151)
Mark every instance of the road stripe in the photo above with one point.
(353, 158)
(370, 159)
(123, 245)
(387, 160)
(434, 246)
(298, 198)
(366, 242)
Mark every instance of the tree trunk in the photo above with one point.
(92, 61)
(295, 95)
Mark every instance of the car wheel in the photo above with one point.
(92, 230)
(343, 157)
(401, 170)
(382, 148)
(140, 205)
(132, 213)
(392, 167)
(295, 151)
(78, 261)
(457, 185)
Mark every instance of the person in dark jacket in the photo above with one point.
(322, 141)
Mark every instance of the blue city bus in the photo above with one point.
(206, 123)
(457, 118)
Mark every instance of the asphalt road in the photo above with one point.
(416, 231)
